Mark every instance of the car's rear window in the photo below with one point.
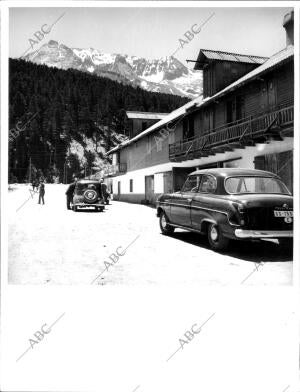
(255, 184)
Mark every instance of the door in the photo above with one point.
(180, 212)
(168, 182)
(208, 120)
(229, 111)
(188, 127)
(271, 94)
(149, 189)
(268, 94)
(240, 107)
(201, 207)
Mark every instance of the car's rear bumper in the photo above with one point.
(240, 233)
(83, 205)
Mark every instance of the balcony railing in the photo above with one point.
(245, 132)
(114, 170)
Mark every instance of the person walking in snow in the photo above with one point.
(41, 192)
(104, 191)
(34, 185)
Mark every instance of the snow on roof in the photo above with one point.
(198, 102)
(146, 115)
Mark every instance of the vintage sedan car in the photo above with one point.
(230, 204)
(87, 195)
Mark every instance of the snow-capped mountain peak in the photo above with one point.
(165, 75)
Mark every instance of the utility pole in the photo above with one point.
(30, 170)
(64, 176)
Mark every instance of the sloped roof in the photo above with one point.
(146, 115)
(167, 119)
(198, 102)
(205, 56)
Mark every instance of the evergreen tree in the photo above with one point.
(58, 107)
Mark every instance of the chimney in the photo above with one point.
(288, 24)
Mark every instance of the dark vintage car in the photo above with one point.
(225, 204)
(87, 194)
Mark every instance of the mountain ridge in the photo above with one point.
(164, 75)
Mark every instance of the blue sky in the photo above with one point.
(152, 32)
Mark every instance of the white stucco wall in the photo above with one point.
(247, 161)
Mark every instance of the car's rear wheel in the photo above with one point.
(216, 239)
(74, 208)
(164, 225)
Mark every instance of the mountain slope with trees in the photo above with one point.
(69, 119)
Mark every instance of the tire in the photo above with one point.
(90, 196)
(75, 208)
(216, 239)
(164, 226)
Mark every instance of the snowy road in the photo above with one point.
(52, 245)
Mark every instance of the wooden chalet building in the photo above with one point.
(138, 122)
(244, 119)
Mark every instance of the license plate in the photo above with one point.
(283, 214)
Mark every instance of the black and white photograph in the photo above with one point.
(149, 196)
(164, 148)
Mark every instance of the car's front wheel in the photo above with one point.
(164, 225)
(216, 239)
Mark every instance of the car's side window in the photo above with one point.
(191, 184)
(208, 184)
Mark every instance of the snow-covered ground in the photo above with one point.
(49, 244)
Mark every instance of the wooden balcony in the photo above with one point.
(115, 170)
(246, 132)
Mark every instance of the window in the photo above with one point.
(255, 185)
(130, 185)
(191, 184)
(208, 184)
(144, 125)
